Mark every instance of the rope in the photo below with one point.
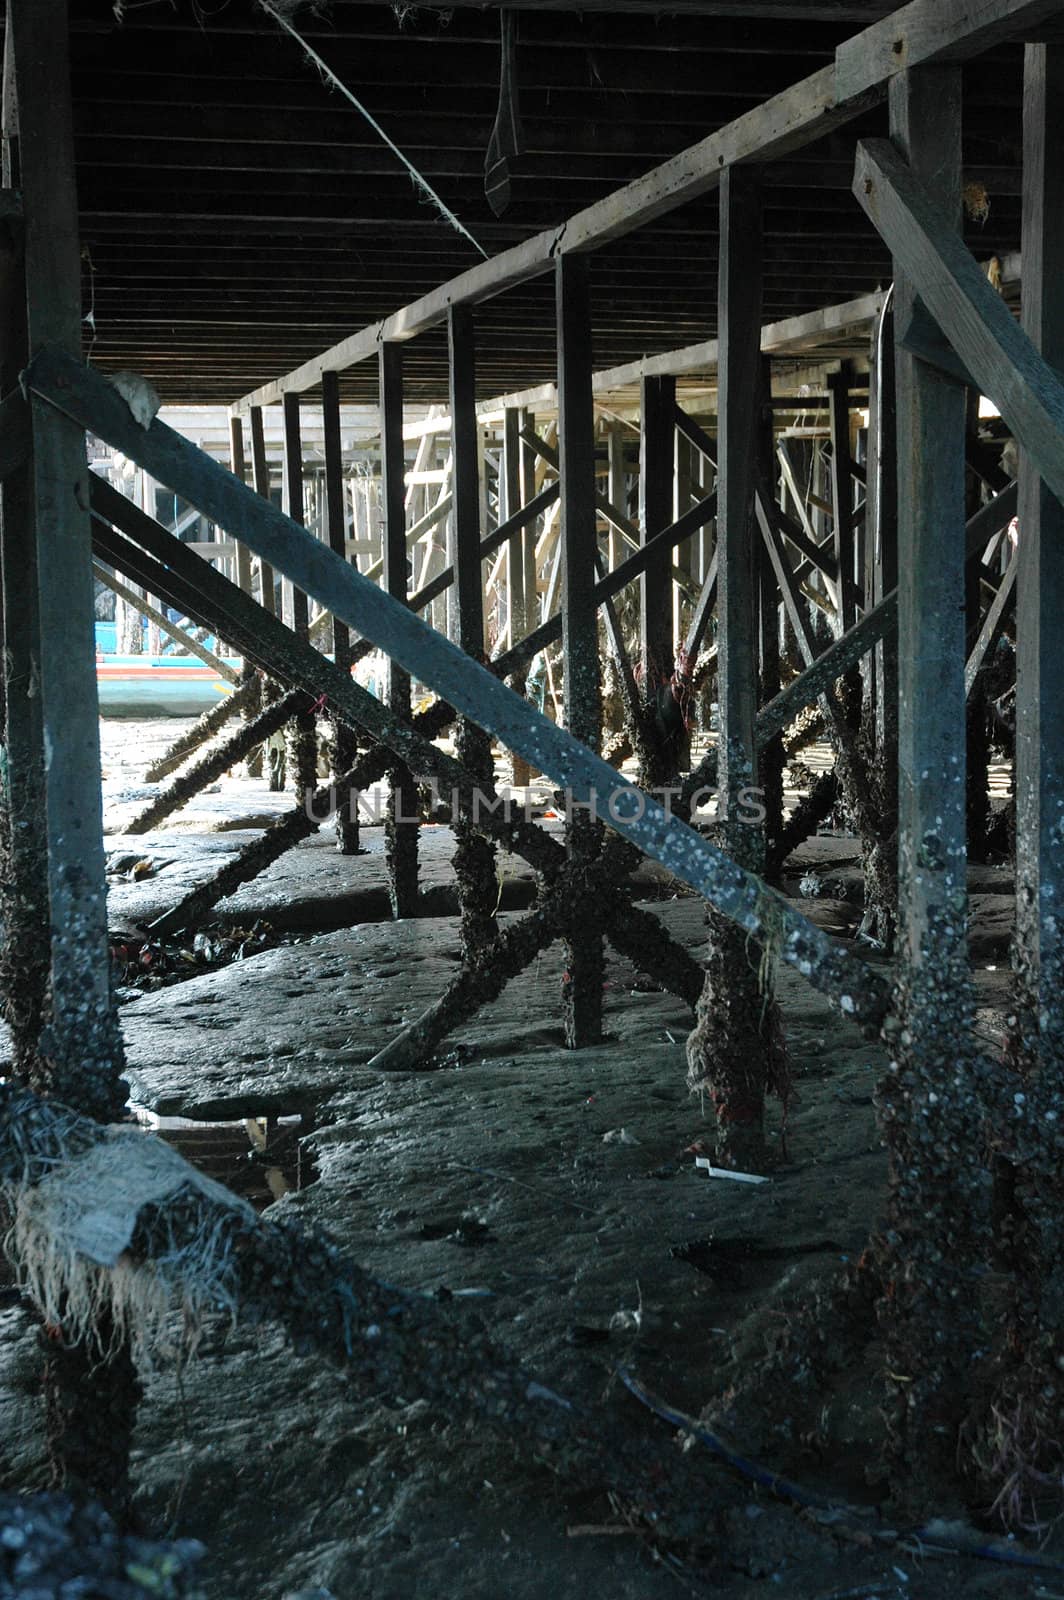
(328, 73)
(928, 1537)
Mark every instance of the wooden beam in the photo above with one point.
(1040, 584)
(999, 355)
(934, 30)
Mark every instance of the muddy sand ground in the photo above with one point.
(553, 1195)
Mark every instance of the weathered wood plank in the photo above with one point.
(934, 30)
(84, 396)
(996, 351)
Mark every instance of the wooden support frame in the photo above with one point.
(81, 394)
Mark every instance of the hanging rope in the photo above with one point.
(331, 77)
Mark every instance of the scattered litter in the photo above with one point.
(725, 1172)
(619, 1136)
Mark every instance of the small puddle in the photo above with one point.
(260, 1158)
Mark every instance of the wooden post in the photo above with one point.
(579, 542)
(82, 1053)
(344, 742)
(937, 1213)
(656, 464)
(91, 1400)
(260, 477)
(24, 953)
(739, 323)
(1040, 598)
(401, 825)
(925, 121)
(302, 738)
(474, 859)
(842, 496)
(238, 465)
(511, 500)
(730, 1052)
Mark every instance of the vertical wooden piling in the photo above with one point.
(930, 1100)
(90, 1399)
(1040, 597)
(842, 496)
(583, 696)
(734, 1053)
(474, 859)
(656, 465)
(511, 501)
(260, 477)
(401, 825)
(81, 1052)
(24, 921)
(302, 733)
(343, 743)
(238, 466)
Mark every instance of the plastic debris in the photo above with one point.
(726, 1172)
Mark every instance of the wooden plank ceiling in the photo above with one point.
(239, 215)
